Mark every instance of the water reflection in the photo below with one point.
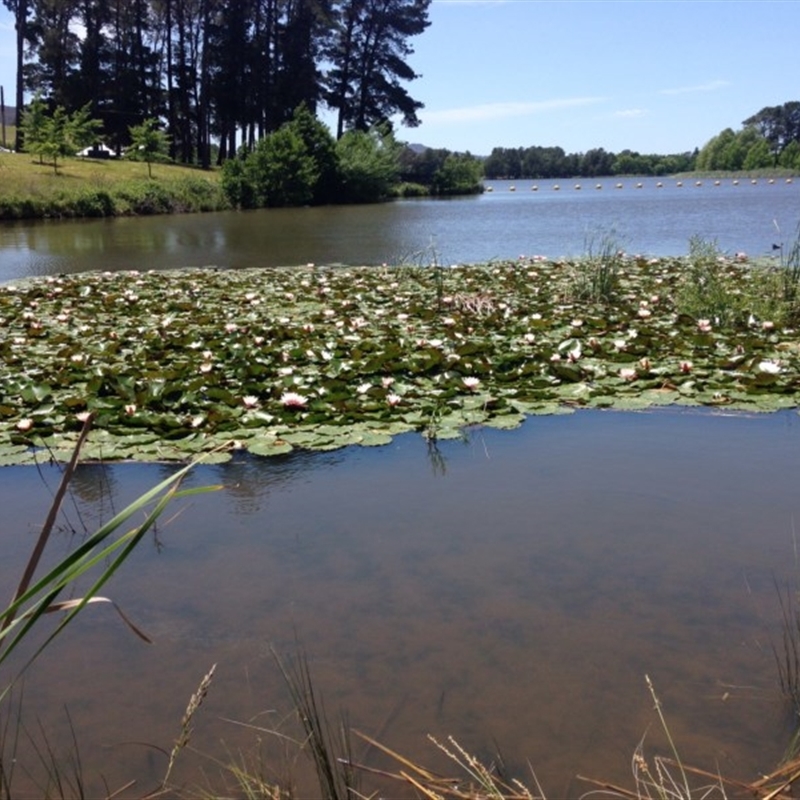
(515, 587)
(496, 225)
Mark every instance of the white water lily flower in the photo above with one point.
(130, 409)
(387, 381)
(704, 325)
(686, 367)
(575, 354)
(293, 400)
(25, 424)
(644, 313)
(769, 367)
(471, 383)
(285, 371)
(82, 416)
(393, 399)
(628, 374)
(250, 401)
(206, 366)
(767, 325)
(363, 388)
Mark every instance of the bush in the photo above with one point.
(368, 165)
(409, 189)
(460, 174)
(94, 203)
(279, 172)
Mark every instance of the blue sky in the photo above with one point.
(652, 76)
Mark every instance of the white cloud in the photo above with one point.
(630, 113)
(492, 111)
(711, 86)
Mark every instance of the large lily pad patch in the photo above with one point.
(171, 364)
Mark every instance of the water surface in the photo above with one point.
(500, 224)
(514, 589)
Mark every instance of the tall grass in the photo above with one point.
(730, 291)
(595, 277)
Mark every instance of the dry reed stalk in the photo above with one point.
(481, 783)
(195, 701)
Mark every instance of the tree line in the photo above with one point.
(218, 71)
(553, 162)
(768, 139)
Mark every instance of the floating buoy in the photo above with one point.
(638, 185)
(577, 186)
(771, 180)
(788, 180)
(534, 188)
(679, 183)
(599, 186)
(512, 188)
(619, 186)
(659, 185)
(489, 188)
(717, 183)
(699, 183)
(754, 182)
(736, 183)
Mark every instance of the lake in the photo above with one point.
(512, 589)
(499, 224)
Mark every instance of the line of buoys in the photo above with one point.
(640, 185)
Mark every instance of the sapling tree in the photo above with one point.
(58, 134)
(148, 143)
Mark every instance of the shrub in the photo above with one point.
(368, 165)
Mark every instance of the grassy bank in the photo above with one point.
(102, 188)
(176, 363)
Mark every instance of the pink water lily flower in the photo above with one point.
(293, 400)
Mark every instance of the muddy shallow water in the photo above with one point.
(512, 590)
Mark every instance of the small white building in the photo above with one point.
(97, 151)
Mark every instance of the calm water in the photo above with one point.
(499, 224)
(516, 591)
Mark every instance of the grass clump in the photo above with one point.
(595, 278)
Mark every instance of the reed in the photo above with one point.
(96, 559)
(595, 277)
(330, 748)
